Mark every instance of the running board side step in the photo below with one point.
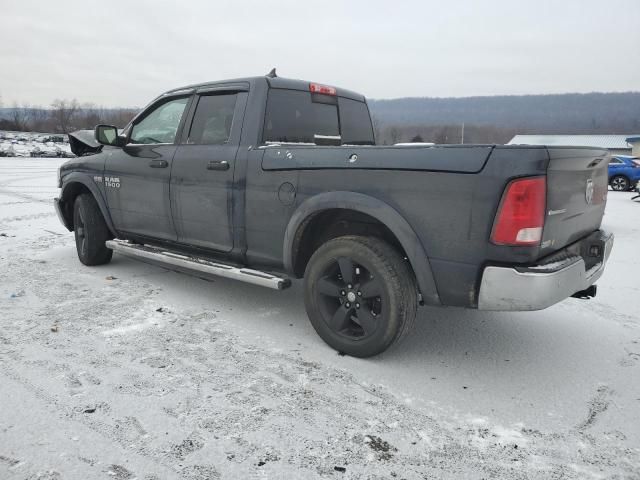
(196, 265)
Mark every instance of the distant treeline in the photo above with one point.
(497, 119)
(63, 116)
(439, 120)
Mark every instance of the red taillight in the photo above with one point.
(520, 217)
(323, 89)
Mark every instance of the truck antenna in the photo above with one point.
(272, 73)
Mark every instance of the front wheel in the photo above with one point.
(620, 183)
(360, 295)
(91, 231)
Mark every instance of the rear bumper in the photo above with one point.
(540, 286)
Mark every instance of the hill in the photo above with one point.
(493, 119)
(569, 113)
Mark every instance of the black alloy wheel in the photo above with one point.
(350, 298)
(360, 294)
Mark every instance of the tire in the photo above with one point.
(360, 295)
(620, 183)
(91, 231)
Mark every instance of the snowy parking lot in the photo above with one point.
(131, 371)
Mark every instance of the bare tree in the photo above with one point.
(40, 119)
(377, 128)
(90, 115)
(20, 116)
(394, 134)
(64, 112)
(120, 117)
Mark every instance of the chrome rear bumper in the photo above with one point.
(539, 286)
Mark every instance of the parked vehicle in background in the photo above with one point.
(46, 152)
(33, 144)
(7, 151)
(262, 178)
(624, 172)
(55, 138)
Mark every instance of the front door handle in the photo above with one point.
(218, 165)
(158, 164)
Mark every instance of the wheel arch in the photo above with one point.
(623, 175)
(313, 208)
(77, 184)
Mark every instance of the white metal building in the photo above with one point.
(635, 145)
(616, 144)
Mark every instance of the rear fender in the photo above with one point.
(378, 210)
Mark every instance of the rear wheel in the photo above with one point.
(91, 231)
(360, 295)
(620, 183)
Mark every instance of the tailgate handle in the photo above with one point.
(218, 165)
(158, 164)
(594, 163)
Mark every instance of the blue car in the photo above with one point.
(624, 172)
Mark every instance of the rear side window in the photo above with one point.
(212, 120)
(292, 117)
(355, 121)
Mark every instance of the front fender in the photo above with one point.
(378, 210)
(69, 191)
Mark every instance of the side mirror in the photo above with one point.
(108, 135)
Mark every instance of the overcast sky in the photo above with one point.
(123, 53)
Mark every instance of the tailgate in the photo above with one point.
(577, 184)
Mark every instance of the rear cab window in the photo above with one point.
(296, 116)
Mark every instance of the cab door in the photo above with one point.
(202, 175)
(136, 176)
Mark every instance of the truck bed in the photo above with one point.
(450, 194)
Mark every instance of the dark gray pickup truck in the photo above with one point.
(261, 179)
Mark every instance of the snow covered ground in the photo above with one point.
(131, 371)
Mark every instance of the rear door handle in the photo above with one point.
(218, 165)
(158, 164)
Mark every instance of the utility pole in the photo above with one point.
(462, 136)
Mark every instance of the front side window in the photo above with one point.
(212, 121)
(161, 124)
